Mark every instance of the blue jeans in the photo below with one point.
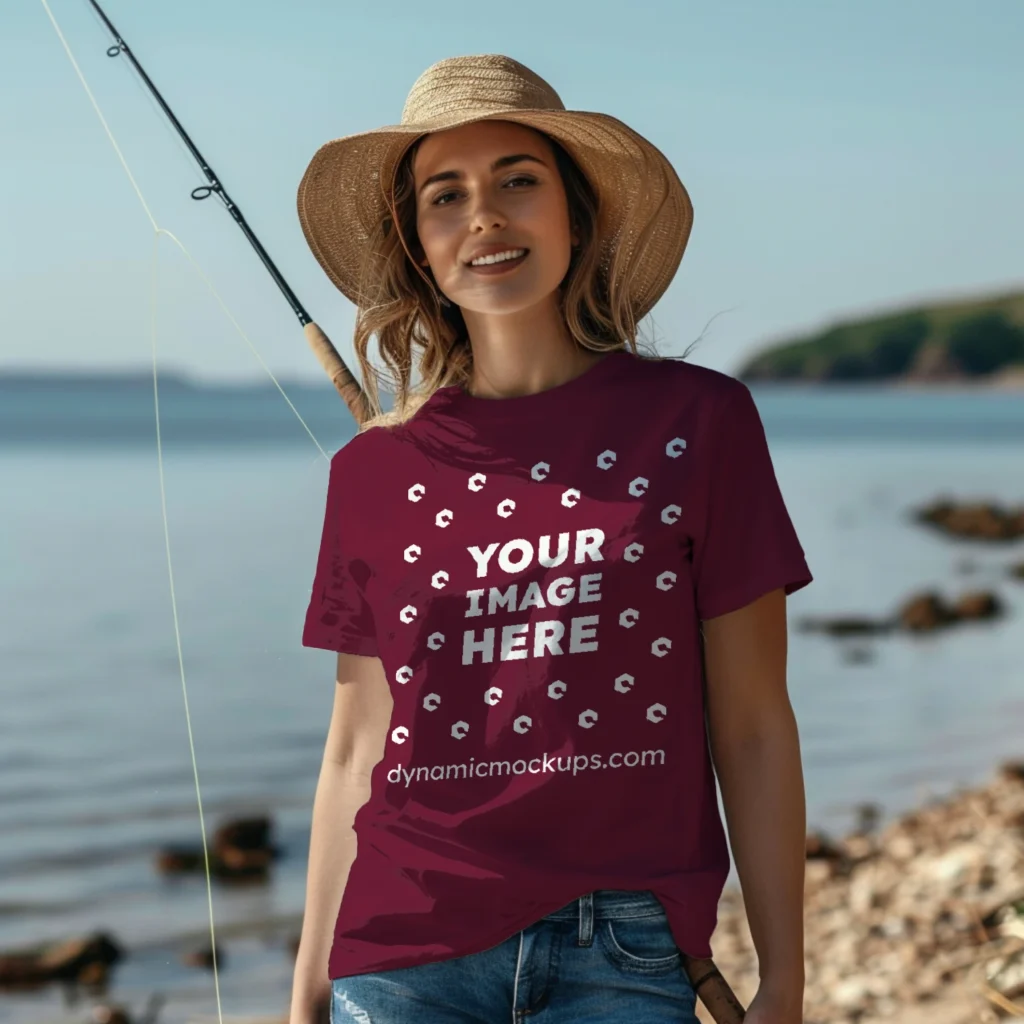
(606, 957)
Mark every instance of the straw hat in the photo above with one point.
(341, 196)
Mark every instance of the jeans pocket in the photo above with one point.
(641, 944)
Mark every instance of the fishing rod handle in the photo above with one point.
(714, 991)
(341, 376)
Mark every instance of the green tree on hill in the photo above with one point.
(899, 344)
(942, 341)
(984, 343)
(891, 354)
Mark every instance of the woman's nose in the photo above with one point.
(485, 214)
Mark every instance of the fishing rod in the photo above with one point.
(327, 355)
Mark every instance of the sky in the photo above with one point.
(842, 158)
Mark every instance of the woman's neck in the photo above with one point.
(522, 354)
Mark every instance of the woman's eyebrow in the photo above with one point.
(502, 161)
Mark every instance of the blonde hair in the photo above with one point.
(404, 309)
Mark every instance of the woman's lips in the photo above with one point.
(499, 268)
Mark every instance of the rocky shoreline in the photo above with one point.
(921, 921)
(975, 522)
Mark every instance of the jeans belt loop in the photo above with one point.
(586, 935)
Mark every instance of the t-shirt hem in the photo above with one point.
(692, 931)
(363, 646)
(337, 968)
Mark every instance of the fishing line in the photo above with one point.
(154, 287)
(163, 231)
(174, 615)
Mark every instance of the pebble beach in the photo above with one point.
(920, 921)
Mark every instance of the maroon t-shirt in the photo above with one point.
(532, 572)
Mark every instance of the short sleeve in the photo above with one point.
(338, 617)
(747, 544)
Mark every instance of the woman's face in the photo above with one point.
(492, 187)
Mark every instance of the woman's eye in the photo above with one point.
(523, 178)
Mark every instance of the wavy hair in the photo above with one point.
(403, 305)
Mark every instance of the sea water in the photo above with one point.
(95, 770)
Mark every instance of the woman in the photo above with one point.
(531, 571)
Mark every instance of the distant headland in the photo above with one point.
(977, 341)
(130, 381)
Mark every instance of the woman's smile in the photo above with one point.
(503, 264)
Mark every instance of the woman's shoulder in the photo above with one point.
(675, 376)
(363, 449)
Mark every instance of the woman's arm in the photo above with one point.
(756, 751)
(355, 743)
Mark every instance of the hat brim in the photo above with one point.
(341, 197)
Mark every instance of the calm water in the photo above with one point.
(94, 764)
